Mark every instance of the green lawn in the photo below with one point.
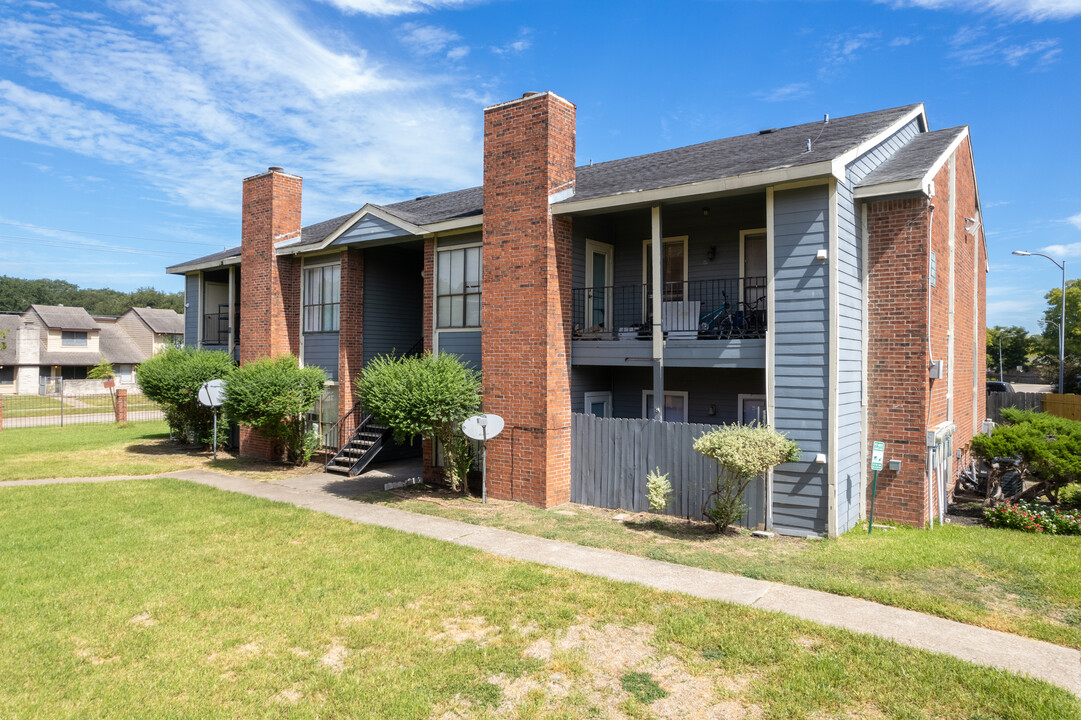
(1001, 579)
(160, 599)
(24, 406)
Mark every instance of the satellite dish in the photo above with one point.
(482, 427)
(212, 393)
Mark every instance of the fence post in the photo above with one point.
(1, 412)
(121, 405)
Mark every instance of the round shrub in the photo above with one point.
(172, 378)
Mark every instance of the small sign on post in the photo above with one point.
(878, 452)
(483, 428)
(212, 395)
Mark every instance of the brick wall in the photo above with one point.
(529, 147)
(350, 334)
(270, 291)
(897, 384)
(903, 403)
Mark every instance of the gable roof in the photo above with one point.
(161, 320)
(9, 325)
(773, 149)
(917, 161)
(60, 317)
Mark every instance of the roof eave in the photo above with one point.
(287, 248)
(718, 186)
(185, 268)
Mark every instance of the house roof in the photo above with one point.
(766, 150)
(60, 317)
(161, 320)
(915, 159)
(118, 347)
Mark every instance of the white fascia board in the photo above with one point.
(287, 247)
(457, 224)
(732, 183)
(841, 161)
(208, 265)
(923, 185)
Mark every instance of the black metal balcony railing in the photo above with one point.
(216, 328)
(696, 309)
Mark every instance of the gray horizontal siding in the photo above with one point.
(801, 356)
(321, 350)
(191, 309)
(393, 300)
(466, 345)
(368, 229)
(739, 353)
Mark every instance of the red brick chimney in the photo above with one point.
(269, 285)
(526, 291)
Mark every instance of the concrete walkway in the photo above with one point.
(328, 494)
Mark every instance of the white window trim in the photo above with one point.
(667, 393)
(330, 261)
(749, 396)
(597, 396)
(436, 330)
(608, 250)
(665, 241)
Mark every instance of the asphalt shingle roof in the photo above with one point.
(222, 255)
(915, 159)
(161, 320)
(65, 318)
(9, 325)
(727, 157)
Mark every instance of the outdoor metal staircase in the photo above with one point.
(366, 442)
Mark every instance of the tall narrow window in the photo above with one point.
(321, 298)
(458, 288)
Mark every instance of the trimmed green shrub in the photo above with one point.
(271, 396)
(1048, 449)
(427, 396)
(743, 452)
(172, 378)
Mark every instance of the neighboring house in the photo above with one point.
(828, 278)
(48, 343)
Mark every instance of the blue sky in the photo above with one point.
(127, 126)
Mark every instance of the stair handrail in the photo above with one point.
(337, 428)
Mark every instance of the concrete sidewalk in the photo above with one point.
(1058, 665)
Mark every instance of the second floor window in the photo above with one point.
(457, 288)
(73, 338)
(321, 292)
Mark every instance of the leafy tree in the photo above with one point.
(743, 452)
(1015, 346)
(172, 378)
(1048, 449)
(1047, 346)
(102, 371)
(271, 396)
(430, 396)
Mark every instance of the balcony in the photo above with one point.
(706, 323)
(216, 328)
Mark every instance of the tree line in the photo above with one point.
(16, 295)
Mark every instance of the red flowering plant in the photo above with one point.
(1035, 518)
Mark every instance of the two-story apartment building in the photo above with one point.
(828, 278)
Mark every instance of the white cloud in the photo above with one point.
(1075, 220)
(901, 41)
(195, 96)
(432, 40)
(393, 7)
(523, 43)
(1037, 10)
(792, 91)
(845, 48)
(1071, 250)
(975, 45)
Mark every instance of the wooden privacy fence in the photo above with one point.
(1064, 406)
(610, 458)
(1022, 401)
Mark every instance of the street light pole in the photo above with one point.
(1062, 321)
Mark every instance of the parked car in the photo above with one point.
(998, 386)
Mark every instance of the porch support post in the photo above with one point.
(232, 314)
(656, 248)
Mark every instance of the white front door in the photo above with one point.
(752, 409)
(675, 406)
(598, 284)
(599, 404)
